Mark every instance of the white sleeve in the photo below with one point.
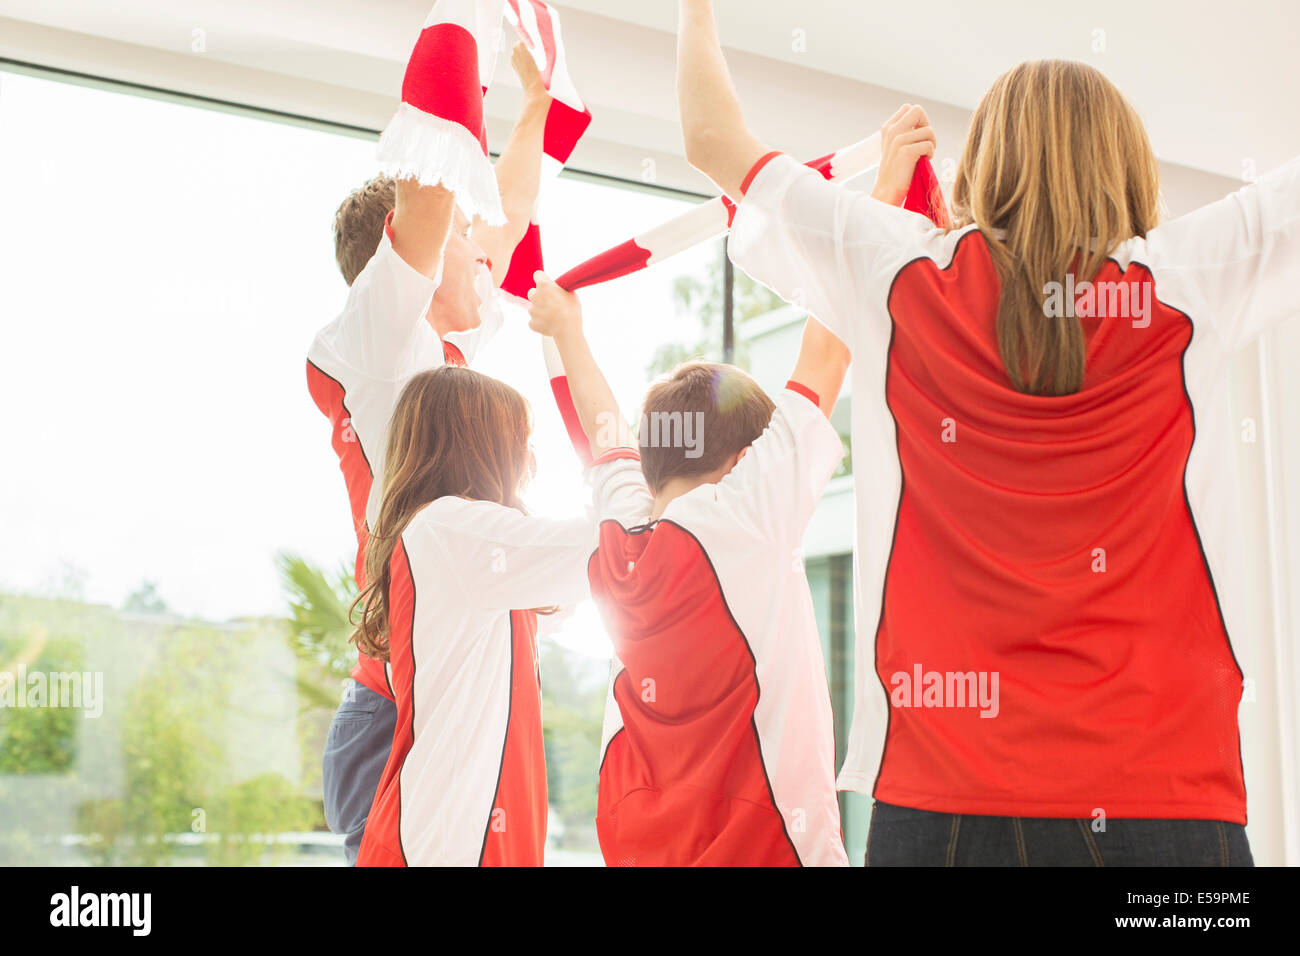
(504, 559)
(1240, 256)
(382, 331)
(777, 484)
(619, 490)
(822, 246)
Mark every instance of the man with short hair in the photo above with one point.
(403, 248)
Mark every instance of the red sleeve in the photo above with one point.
(452, 355)
(805, 391)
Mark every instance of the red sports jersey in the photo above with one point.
(465, 784)
(1044, 584)
(719, 740)
(357, 368)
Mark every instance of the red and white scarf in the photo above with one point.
(538, 25)
(703, 223)
(712, 219)
(438, 136)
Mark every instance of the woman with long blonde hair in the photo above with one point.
(1043, 481)
(458, 571)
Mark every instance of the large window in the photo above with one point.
(173, 584)
(176, 527)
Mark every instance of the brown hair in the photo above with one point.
(359, 225)
(1058, 161)
(727, 411)
(454, 432)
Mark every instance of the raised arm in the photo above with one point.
(718, 143)
(518, 169)
(558, 313)
(823, 360)
(498, 558)
(421, 222)
(825, 247)
(1239, 258)
(378, 333)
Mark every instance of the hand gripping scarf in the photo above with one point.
(438, 136)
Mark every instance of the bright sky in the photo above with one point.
(162, 273)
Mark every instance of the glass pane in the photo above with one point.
(173, 592)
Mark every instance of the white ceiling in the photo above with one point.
(1217, 83)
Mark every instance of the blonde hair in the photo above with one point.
(1057, 171)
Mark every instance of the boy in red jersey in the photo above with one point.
(719, 743)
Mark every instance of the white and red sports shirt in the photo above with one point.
(465, 784)
(719, 745)
(356, 369)
(1079, 547)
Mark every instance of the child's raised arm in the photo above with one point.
(558, 313)
(823, 361)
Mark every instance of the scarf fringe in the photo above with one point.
(436, 151)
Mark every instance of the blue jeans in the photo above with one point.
(900, 836)
(356, 750)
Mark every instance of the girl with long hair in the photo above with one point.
(1044, 466)
(458, 572)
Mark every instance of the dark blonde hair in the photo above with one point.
(454, 432)
(1058, 161)
(729, 405)
(359, 225)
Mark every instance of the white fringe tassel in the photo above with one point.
(437, 151)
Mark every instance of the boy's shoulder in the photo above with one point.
(700, 523)
(717, 514)
(662, 560)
